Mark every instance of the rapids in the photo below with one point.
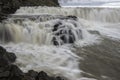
(31, 38)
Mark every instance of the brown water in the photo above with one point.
(102, 61)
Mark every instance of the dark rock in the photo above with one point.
(4, 74)
(59, 78)
(39, 3)
(2, 50)
(42, 76)
(6, 57)
(3, 58)
(72, 17)
(55, 42)
(5, 68)
(28, 78)
(12, 57)
(15, 78)
(56, 26)
(4, 79)
(15, 73)
(3, 62)
(66, 36)
(32, 73)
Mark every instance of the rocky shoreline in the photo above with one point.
(10, 71)
(10, 6)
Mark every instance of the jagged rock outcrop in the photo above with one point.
(9, 71)
(64, 33)
(10, 6)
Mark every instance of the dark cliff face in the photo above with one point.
(40, 3)
(10, 6)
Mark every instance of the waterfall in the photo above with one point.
(95, 14)
(39, 32)
(44, 38)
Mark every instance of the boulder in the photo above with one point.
(4, 74)
(32, 73)
(2, 50)
(11, 57)
(6, 58)
(43, 76)
(62, 35)
(15, 73)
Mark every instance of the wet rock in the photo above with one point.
(15, 73)
(59, 78)
(28, 78)
(32, 73)
(6, 58)
(72, 17)
(56, 26)
(5, 68)
(64, 35)
(42, 76)
(3, 59)
(4, 74)
(12, 57)
(2, 50)
(3, 62)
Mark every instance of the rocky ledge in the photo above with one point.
(9, 71)
(10, 6)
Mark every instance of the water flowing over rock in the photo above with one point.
(65, 33)
(10, 6)
(8, 71)
(32, 33)
(109, 15)
(59, 31)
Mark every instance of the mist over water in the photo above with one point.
(31, 38)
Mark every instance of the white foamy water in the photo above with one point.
(32, 40)
(53, 60)
(106, 15)
(32, 43)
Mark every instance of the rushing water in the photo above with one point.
(96, 34)
(89, 3)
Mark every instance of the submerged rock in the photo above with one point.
(70, 17)
(8, 71)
